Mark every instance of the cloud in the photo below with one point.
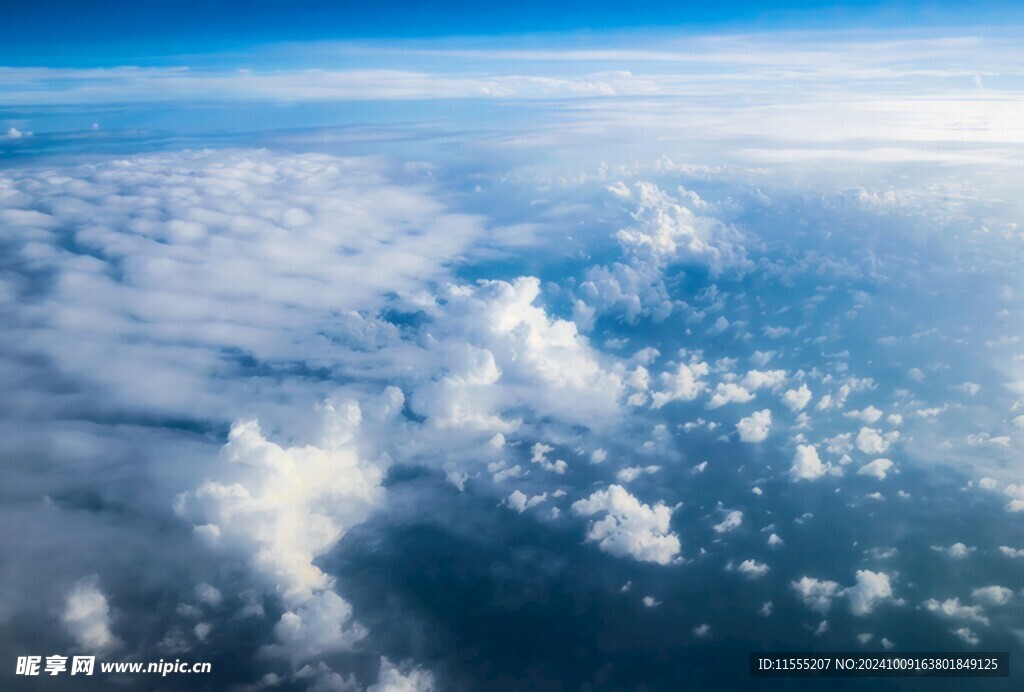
(278, 509)
(390, 678)
(631, 473)
(957, 551)
(797, 399)
(729, 392)
(966, 636)
(87, 617)
(758, 379)
(871, 440)
(992, 595)
(867, 415)
(871, 589)
(878, 468)
(731, 522)
(629, 527)
(752, 569)
(1011, 552)
(807, 465)
(755, 427)
(682, 385)
(952, 608)
(816, 594)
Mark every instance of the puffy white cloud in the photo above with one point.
(1016, 493)
(520, 502)
(731, 522)
(957, 551)
(966, 636)
(774, 540)
(992, 595)
(758, 379)
(797, 399)
(280, 508)
(666, 232)
(878, 468)
(390, 678)
(702, 631)
(871, 440)
(952, 608)
(752, 569)
(1011, 552)
(629, 527)
(631, 473)
(87, 617)
(867, 415)
(755, 427)
(685, 384)
(729, 392)
(807, 465)
(651, 602)
(816, 594)
(871, 589)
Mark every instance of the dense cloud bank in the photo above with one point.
(303, 416)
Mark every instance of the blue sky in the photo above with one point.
(446, 347)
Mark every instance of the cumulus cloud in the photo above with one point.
(957, 551)
(992, 595)
(871, 589)
(797, 399)
(872, 441)
(280, 508)
(752, 569)
(685, 384)
(878, 468)
(729, 392)
(867, 415)
(807, 465)
(952, 609)
(755, 427)
(868, 592)
(816, 594)
(87, 617)
(629, 527)
(391, 678)
(731, 522)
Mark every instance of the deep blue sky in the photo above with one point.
(63, 32)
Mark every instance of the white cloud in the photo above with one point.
(797, 399)
(631, 473)
(968, 388)
(629, 527)
(952, 608)
(816, 594)
(682, 385)
(752, 569)
(871, 589)
(967, 636)
(957, 551)
(871, 440)
(758, 379)
(867, 415)
(702, 631)
(280, 508)
(807, 465)
(774, 540)
(729, 392)
(87, 617)
(390, 678)
(992, 595)
(878, 468)
(1011, 552)
(1016, 492)
(732, 521)
(755, 427)
(520, 502)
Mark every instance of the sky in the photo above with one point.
(434, 346)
